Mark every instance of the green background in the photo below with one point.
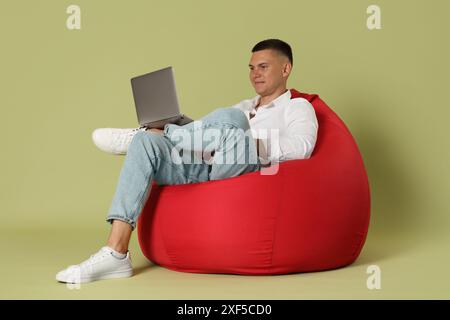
(390, 86)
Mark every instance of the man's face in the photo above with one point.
(269, 71)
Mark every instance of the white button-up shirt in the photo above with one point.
(287, 127)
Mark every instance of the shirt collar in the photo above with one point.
(280, 100)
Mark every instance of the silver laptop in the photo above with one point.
(156, 99)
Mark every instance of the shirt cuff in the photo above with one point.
(168, 129)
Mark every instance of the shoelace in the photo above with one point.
(122, 138)
(94, 258)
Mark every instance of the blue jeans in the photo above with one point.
(196, 152)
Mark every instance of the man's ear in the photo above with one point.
(287, 69)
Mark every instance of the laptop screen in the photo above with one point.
(155, 96)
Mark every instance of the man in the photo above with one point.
(238, 131)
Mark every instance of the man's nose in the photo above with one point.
(256, 74)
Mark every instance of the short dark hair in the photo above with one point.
(275, 44)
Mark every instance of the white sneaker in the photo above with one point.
(102, 265)
(115, 141)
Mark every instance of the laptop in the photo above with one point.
(156, 99)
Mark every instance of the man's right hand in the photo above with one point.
(161, 132)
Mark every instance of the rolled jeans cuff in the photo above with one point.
(111, 218)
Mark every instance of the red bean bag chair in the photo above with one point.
(312, 215)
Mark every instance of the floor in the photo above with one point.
(31, 258)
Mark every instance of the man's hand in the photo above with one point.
(161, 132)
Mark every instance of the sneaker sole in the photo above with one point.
(112, 275)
